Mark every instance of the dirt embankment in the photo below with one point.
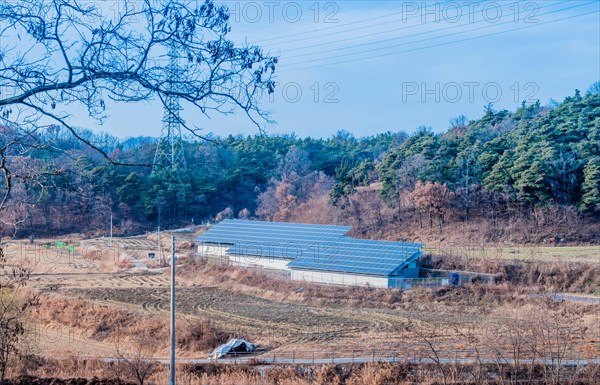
(356, 374)
(575, 277)
(27, 380)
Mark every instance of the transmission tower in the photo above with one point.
(169, 147)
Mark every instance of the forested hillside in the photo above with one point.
(528, 175)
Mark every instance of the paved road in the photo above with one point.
(576, 298)
(362, 360)
(569, 297)
(270, 360)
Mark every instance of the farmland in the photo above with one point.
(522, 252)
(435, 199)
(271, 312)
(101, 298)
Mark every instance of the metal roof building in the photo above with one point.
(317, 253)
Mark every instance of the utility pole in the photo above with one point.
(160, 261)
(111, 229)
(172, 310)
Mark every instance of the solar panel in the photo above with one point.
(315, 247)
(357, 256)
(233, 231)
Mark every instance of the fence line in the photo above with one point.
(421, 355)
(464, 275)
(395, 283)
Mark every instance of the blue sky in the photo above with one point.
(375, 66)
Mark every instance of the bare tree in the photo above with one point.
(13, 305)
(268, 203)
(429, 339)
(459, 123)
(510, 336)
(472, 337)
(135, 360)
(559, 333)
(61, 56)
(226, 213)
(433, 197)
(297, 185)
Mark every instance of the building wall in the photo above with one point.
(410, 272)
(339, 278)
(220, 252)
(212, 250)
(253, 261)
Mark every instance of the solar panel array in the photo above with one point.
(314, 247)
(361, 257)
(236, 231)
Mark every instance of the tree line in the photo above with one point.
(534, 157)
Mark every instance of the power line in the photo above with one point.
(434, 38)
(339, 26)
(434, 45)
(422, 40)
(393, 38)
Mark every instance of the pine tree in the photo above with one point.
(591, 186)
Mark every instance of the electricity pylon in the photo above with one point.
(169, 147)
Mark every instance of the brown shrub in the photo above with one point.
(199, 335)
(582, 277)
(102, 322)
(95, 372)
(125, 263)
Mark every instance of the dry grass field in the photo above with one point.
(518, 252)
(102, 300)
